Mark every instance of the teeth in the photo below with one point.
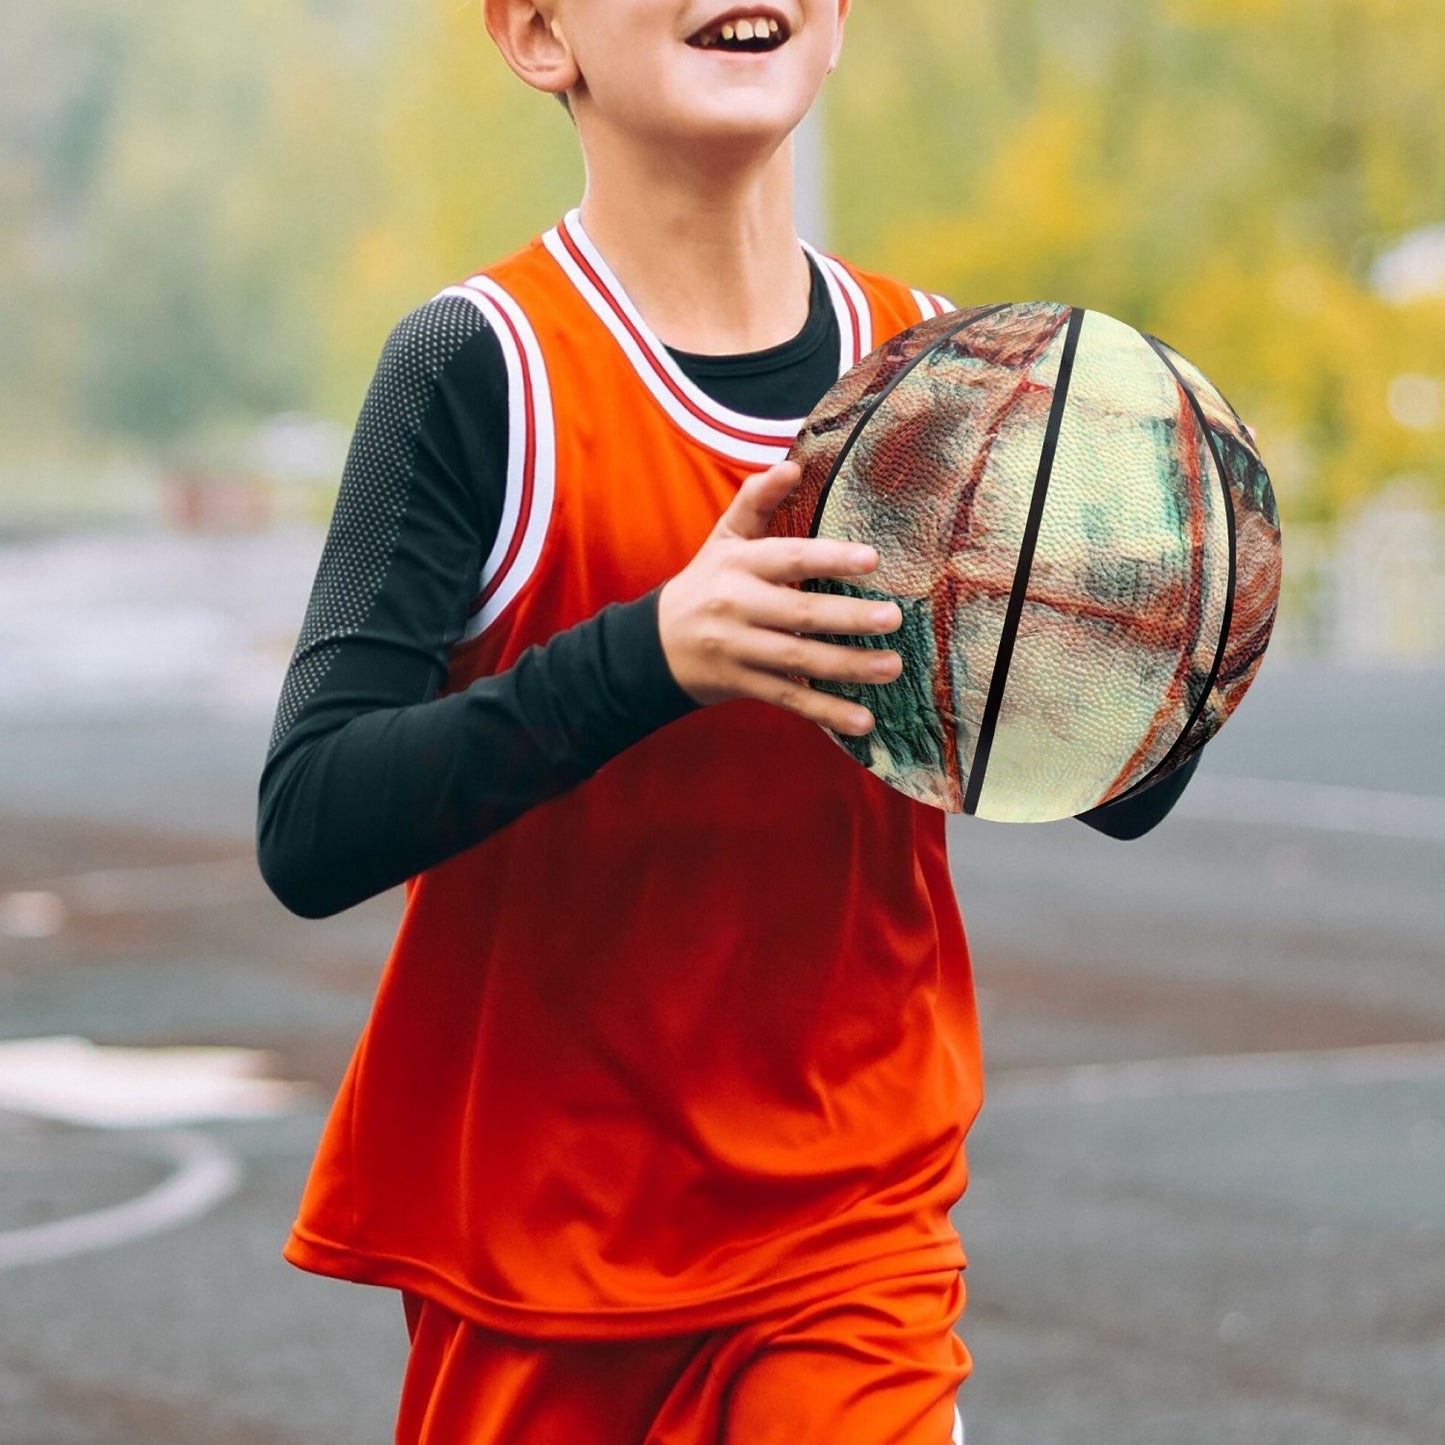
(751, 28)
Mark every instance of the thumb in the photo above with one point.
(758, 498)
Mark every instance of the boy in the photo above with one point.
(659, 1114)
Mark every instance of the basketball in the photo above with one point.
(1082, 538)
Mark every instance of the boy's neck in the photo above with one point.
(709, 256)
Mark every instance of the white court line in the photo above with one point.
(1217, 1074)
(105, 1086)
(1327, 807)
(205, 1175)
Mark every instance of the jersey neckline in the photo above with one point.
(799, 347)
(752, 439)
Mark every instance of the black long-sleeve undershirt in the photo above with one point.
(371, 776)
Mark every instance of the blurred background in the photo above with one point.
(210, 222)
(210, 218)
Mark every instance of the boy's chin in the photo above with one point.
(729, 124)
(725, 124)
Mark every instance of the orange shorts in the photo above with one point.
(880, 1366)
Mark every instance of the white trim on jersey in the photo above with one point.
(930, 305)
(957, 1436)
(759, 441)
(531, 454)
(756, 440)
(855, 317)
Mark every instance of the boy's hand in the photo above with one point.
(730, 623)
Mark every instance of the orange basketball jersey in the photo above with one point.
(696, 1039)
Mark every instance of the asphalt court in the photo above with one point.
(1208, 1197)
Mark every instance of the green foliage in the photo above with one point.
(181, 210)
(1222, 173)
(468, 165)
(211, 213)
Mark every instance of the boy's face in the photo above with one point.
(713, 72)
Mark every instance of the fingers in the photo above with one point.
(807, 657)
(758, 498)
(789, 610)
(799, 559)
(778, 667)
(787, 559)
(734, 624)
(842, 716)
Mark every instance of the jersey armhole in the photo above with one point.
(531, 481)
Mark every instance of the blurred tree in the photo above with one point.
(1221, 172)
(206, 215)
(218, 219)
(176, 214)
(58, 96)
(468, 164)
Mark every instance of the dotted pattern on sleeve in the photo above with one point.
(375, 488)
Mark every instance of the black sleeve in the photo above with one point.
(1132, 817)
(370, 777)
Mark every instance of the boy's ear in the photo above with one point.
(844, 6)
(532, 43)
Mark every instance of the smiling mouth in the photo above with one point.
(745, 34)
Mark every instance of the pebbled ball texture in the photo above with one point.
(1148, 600)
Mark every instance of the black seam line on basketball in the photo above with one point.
(883, 396)
(1227, 621)
(988, 726)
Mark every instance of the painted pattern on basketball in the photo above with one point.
(1258, 563)
(848, 403)
(1081, 538)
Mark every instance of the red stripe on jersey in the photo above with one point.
(529, 466)
(929, 305)
(853, 318)
(659, 371)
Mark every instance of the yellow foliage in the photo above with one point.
(1040, 231)
(1219, 172)
(266, 188)
(471, 165)
(1235, 14)
(1309, 356)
